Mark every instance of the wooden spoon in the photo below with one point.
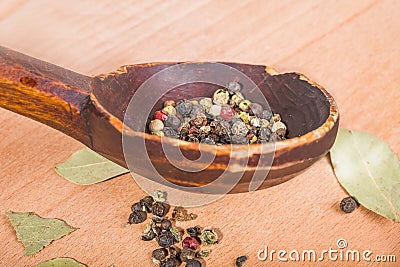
(91, 110)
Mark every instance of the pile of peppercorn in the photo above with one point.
(160, 228)
(227, 118)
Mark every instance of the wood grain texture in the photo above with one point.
(351, 48)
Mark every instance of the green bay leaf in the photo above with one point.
(369, 171)
(87, 167)
(61, 262)
(36, 232)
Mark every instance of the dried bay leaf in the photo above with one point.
(61, 262)
(87, 167)
(369, 171)
(36, 232)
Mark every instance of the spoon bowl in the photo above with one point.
(93, 111)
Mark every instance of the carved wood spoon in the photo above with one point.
(91, 110)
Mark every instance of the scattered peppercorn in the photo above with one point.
(137, 216)
(150, 235)
(203, 253)
(176, 233)
(161, 228)
(159, 208)
(165, 224)
(190, 242)
(181, 214)
(146, 203)
(159, 254)
(187, 254)
(193, 231)
(137, 207)
(240, 260)
(348, 204)
(209, 236)
(169, 263)
(193, 263)
(165, 239)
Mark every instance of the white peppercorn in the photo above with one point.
(156, 125)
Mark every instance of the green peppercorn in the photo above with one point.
(176, 233)
(221, 97)
(209, 236)
(165, 239)
(137, 216)
(237, 98)
(348, 204)
(203, 253)
(244, 105)
(240, 260)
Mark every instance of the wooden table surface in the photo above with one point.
(350, 47)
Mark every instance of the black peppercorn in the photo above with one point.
(169, 263)
(193, 263)
(137, 217)
(137, 207)
(240, 260)
(147, 203)
(160, 209)
(165, 239)
(150, 235)
(184, 107)
(169, 132)
(193, 231)
(159, 254)
(165, 224)
(348, 204)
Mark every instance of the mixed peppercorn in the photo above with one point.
(226, 118)
(161, 229)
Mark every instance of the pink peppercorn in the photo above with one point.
(190, 242)
(161, 115)
(227, 112)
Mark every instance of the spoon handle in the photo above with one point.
(44, 92)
